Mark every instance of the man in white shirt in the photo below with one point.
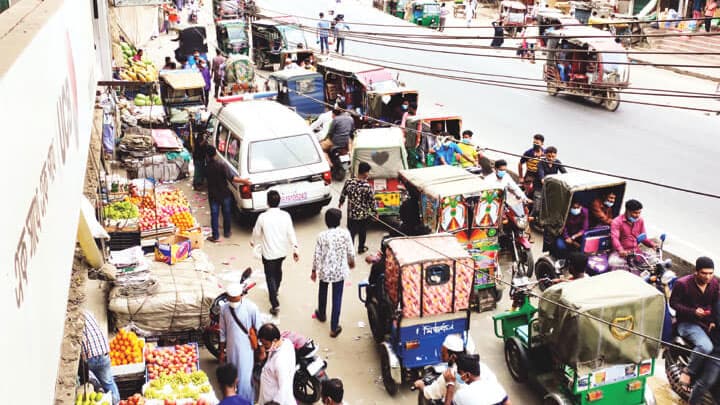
(275, 233)
(478, 391)
(502, 180)
(322, 124)
(276, 377)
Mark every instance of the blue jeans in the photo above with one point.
(100, 366)
(324, 44)
(696, 335)
(708, 377)
(563, 70)
(340, 44)
(337, 292)
(215, 216)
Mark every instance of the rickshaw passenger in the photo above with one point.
(601, 210)
(468, 367)
(549, 165)
(576, 225)
(531, 158)
(446, 150)
(563, 65)
(340, 131)
(468, 149)
(624, 231)
(504, 181)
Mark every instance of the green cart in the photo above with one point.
(423, 12)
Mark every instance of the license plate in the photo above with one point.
(315, 366)
(344, 159)
(293, 197)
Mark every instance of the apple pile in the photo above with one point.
(168, 361)
(172, 198)
(126, 348)
(136, 399)
(149, 221)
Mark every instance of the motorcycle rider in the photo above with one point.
(694, 298)
(624, 230)
(478, 390)
(502, 180)
(340, 132)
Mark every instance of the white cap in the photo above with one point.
(234, 290)
(454, 343)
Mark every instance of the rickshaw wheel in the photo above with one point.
(612, 101)
(516, 359)
(390, 385)
(526, 263)
(552, 89)
(544, 268)
(373, 320)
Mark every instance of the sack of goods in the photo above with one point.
(180, 300)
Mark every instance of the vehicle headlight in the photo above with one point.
(522, 223)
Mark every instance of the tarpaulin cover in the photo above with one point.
(139, 23)
(619, 297)
(383, 149)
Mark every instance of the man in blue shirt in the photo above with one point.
(323, 30)
(227, 377)
(445, 150)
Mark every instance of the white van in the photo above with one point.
(271, 145)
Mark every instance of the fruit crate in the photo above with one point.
(133, 368)
(172, 348)
(130, 384)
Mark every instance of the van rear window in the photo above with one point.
(282, 153)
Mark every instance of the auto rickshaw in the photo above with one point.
(417, 127)
(559, 191)
(569, 355)
(239, 76)
(513, 15)
(626, 29)
(226, 10)
(272, 38)
(183, 96)
(301, 90)
(455, 201)
(586, 62)
(425, 13)
(369, 91)
(189, 40)
(232, 38)
(384, 150)
(422, 296)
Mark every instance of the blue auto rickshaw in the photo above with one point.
(301, 90)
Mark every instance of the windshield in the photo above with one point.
(282, 153)
(292, 36)
(236, 33)
(614, 62)
(432, 9)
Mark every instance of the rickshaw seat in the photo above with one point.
(596, 240)
(522, 333)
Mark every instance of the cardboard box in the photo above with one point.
(172, 249)
(197, 241)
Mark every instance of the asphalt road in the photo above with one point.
(670, 146)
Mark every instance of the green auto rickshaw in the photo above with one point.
(425, 13)
(232, 37)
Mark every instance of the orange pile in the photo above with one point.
(126, 348)
(183, 220)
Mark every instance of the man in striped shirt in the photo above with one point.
(95, 350)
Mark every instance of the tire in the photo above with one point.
(306, 389)
(544, 268)
(497, 294)
(552, 89)
(374, 321)
(391, 386)
(526, 262)
(516, 359)
(212, 342)
(337, 173)
(612, 101)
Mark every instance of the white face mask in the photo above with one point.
(234, 305)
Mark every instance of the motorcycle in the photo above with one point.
(211, 334)
(428, 376)
(514, 239)
(340, 160)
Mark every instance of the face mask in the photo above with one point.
(575, 211)
(632, 219)
(608, 203)
(501, 173)
(234, 305)
(404, 107)
(466, 141)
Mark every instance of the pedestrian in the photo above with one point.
(206, 74)
(530, 34)
(697, 10)
(218, 175)
(443, 17)
(469, 12)
(361, 205)
(169, 64)
(274, 233)
(238, 322)
(218, 72)
(468, 368)
(323, 27)
(332, 392)
(276, 377)
(710, 8)
(332, 261)
(95, 351)
(498, 34)
(200, 149)
(341, 28)
(227, 376)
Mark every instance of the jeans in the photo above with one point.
(358, 227)
(708, 377)
(100, 366)
(337, 291)
(564, 72)
(273, 276)
(696, 335)
(441, 26)
(340, 44)
(215, 206)
(324, 44)
(708, 23)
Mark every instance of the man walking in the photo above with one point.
(332, 261)
(218, 175)
(361, 205)
(95, 350)
(276, 236)
(443, 17)
(323, 30)
(218, 72)
(341, 28)
(236, 320)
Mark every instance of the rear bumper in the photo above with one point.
(318, 203)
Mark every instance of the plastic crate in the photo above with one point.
(130, 384)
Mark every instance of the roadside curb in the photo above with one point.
(675, 69)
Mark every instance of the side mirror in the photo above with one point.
(641, 238)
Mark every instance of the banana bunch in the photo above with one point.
(143, 70)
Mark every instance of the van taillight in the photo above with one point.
(245, 192)
(327, 178)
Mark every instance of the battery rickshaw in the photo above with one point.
(425, 13)
(421, 297)
(183, 96)
(513, 15)
(273, 38)
(384, 151)
(586, 342)
(455, 201)
(418, 128)
(559, 191)
(232, 37)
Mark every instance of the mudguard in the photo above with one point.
(522, 240)
(395, 369)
